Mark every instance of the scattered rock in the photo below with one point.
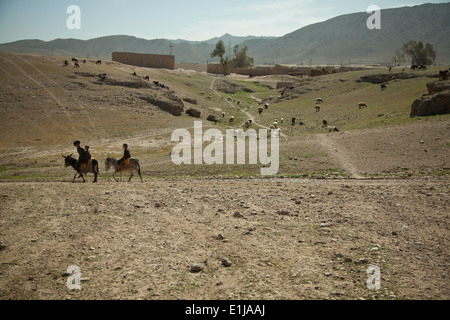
(226, 262)
(238, 215)
(219, 237)
(197, 268)
(194, 113)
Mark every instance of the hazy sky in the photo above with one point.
(187, 19)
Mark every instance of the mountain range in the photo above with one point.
(341, 40)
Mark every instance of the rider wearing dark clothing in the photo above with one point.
(81, 156)
(126, 155)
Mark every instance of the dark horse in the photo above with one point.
(134, 166)
(92, 167)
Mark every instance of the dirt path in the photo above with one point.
(336, 152)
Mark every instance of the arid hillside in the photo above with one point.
(375, 193)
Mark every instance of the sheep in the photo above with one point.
(317, 108)
(266, 106)
(99, 62)
(319, 100)
(333, 129)
(282, 120)
(156, 83)
(231, 119)
(362, 105)
(260, 110)
(223, 114)
(202, 93)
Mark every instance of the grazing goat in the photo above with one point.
(325, 123)
(74, 60)
(414, 67)
(266, 106)
(260, 110)
(156, 83)
(362, 105)
(332, 129)
(383, 87)
(66, 63)
(317, 108)
(293, 121)
(99, 62)
(223, 114)
(147, 78)
(76, 65)
(231, 119)
(319, 100)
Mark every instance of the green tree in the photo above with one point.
(241, 60)
(220, 51)
(399, 58)
(419, 53)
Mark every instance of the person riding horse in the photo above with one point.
(82, 157)
(126, 156)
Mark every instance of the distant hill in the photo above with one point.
(347, 37)
(341, 40)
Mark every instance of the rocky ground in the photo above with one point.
(225, 239)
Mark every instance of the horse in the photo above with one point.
(133, 166)
(92, 167)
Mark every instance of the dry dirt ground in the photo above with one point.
(285, 239)
(380, 197)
